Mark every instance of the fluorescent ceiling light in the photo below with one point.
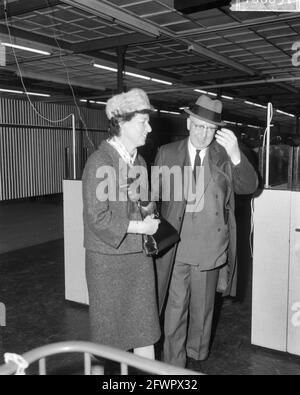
(200, 91)
(254, 104)
(92, 101)
(285, 113)
(99, 66)
(249, 102)
(253, 126)
(26, 49)
(161, 81)
(38, 94)
(232, 123)
(143, 77)
(170, 112)
(227, 97)
(10, 91)
(205, 92)
(24, 93)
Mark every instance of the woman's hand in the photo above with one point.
(150, 225)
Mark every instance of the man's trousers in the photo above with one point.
(189, 313)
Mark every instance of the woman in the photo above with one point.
(120, 278)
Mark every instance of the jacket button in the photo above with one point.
(217, 213)
(219, 230)
(179, 218)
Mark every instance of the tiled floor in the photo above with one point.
(32, 288)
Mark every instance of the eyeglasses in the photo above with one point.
(201, 128)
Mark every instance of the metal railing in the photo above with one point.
(89, 350)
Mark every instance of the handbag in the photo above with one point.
(162, 240)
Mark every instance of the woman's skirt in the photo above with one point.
(123, 306)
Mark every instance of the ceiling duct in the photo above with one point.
(194, 6)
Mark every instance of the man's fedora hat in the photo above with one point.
(207, 110)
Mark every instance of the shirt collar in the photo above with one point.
(120, 147)
(192, 152)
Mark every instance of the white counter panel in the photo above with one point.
(293, 345)
(271, 269)
(75, 281)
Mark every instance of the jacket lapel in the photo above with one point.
(220, 167)
(183, 160)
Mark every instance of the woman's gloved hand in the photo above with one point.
(151, 225)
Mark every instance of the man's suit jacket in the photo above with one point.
(240, 179)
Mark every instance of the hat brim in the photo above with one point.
(188, 111)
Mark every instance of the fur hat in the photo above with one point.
(135, 100)
(207, 110)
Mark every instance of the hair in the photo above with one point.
(114, 123)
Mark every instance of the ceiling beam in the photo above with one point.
(242, 25)
(214, 75)
(48, 77)
(201, 50)
(171, 62)
(250, 82)
(22, 7)
(288, 88)
(34, 37)
(95, 7)
(113, 42)
(265, 90)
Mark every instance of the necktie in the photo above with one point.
(197, 163)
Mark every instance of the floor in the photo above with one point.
(32, 289)
(30, 222)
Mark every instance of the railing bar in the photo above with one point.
(124, 369)
(42, 367)
(87, 364)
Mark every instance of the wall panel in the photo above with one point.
(32, 150)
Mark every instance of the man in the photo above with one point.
(204, 260)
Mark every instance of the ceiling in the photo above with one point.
(243, 55)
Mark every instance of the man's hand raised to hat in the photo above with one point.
(228, 140)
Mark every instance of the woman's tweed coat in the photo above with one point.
(120, 278)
